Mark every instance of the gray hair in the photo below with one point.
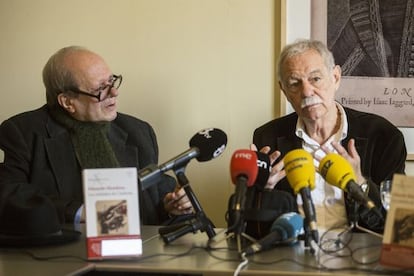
(57, 75)
(302, 45)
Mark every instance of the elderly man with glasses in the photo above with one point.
(46, 149)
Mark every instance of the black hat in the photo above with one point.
(30, 219)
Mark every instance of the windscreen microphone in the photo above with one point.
(263, 166)
(300, 170)
(284, 230)
(205, 145)
(300, 173)
(337, 171)
(243, 170)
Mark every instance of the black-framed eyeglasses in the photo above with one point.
(114, 82)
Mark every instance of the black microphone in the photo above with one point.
(263, 165)
(284, 230)
(204, 146)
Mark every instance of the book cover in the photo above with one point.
(398, 241)
(112, 213)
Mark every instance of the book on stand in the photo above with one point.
(398, 241)
(113, 227)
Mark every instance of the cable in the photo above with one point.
(320, 265)
(241, 265)
(41, 258)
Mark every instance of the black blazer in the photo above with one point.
(380, 145)
(38, 154)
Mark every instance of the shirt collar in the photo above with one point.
(338, 136)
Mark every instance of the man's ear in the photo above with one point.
(337, 73)
(66, 102)
(283, 90)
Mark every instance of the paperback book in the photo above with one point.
(398, 241)
(112, 213)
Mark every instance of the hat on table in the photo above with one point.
(30, 219)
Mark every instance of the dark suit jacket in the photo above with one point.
(380, 145)
(39, 155)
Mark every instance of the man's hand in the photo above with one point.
(277, 171)
(352, 156)
(177, 203)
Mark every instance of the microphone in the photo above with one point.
(204, 146)
(285, 230)
(300, 173)
(338, 171)
(263, 165)
(243, 170)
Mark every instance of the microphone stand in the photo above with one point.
(308, 236)
(354, 222)
(353, 218)
(237, 231)
(310, 233)
(199, 222)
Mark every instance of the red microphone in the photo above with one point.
(243, 170)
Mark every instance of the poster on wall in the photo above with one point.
(373, 42)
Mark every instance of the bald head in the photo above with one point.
(70, 67)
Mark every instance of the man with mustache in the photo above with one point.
(309, 78)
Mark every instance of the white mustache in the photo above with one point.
(310, 101)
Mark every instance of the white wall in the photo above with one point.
(298, 18)
(187, 65)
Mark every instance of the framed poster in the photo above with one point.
(373, 42)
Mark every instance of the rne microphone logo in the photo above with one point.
(243, 155)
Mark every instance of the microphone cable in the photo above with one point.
(241, 265)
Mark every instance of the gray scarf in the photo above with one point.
(90, 140)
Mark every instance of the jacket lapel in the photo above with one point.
(361, 142)
(61, 156)
(127, 155)
(288, 143)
